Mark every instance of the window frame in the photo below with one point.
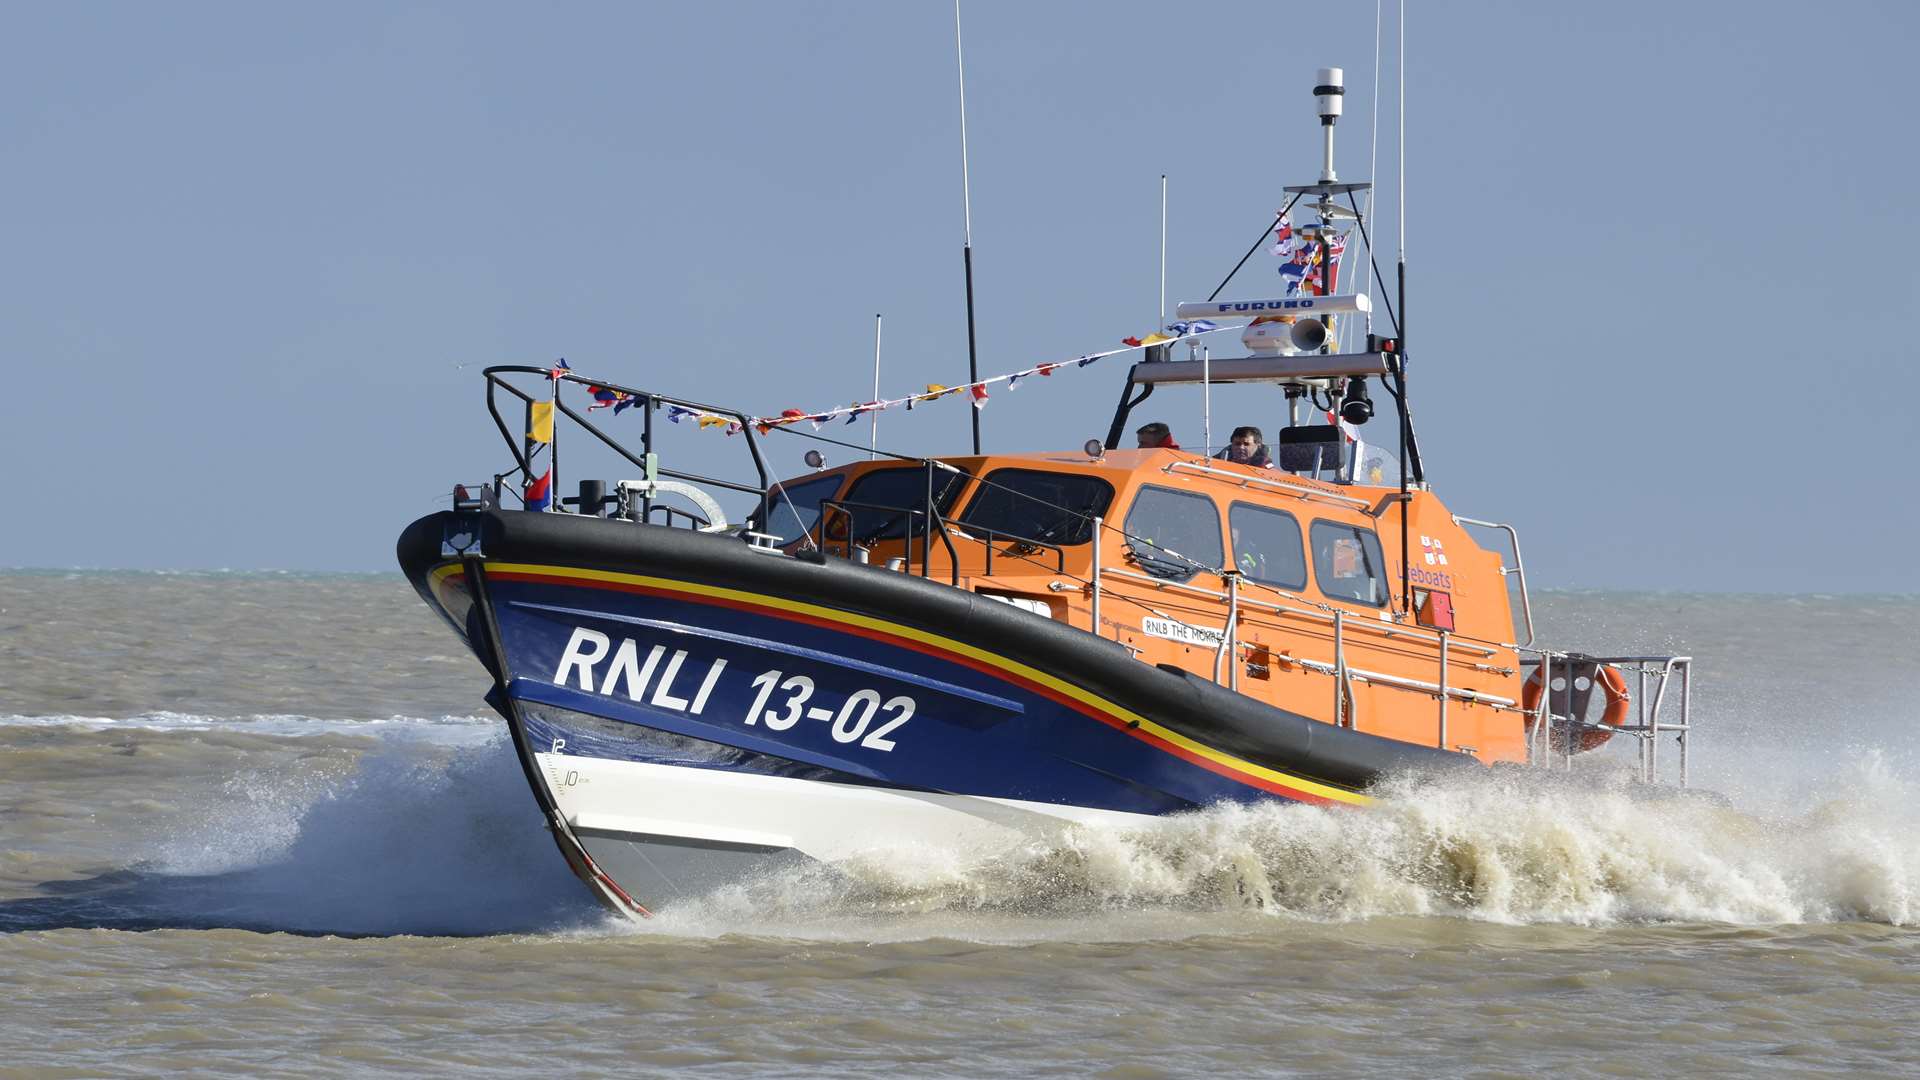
(1299, 537)
(1220, 540)
(960, 477)
(773, 501)
(1386, 584)
(986, 480)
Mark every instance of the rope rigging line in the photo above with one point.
(1284, 211)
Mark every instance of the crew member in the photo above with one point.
(1248, 447)
(1156, 436)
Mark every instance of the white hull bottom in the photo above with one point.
(665, 832)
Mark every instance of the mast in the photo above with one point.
(1329, 95)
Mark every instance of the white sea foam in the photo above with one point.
(1503, 847)
(424, 833)
(417, 836)
(410, 837)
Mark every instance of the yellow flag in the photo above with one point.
(1155, 339)
(935, 390)
(712, 421)
(542, 430)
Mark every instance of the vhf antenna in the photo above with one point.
(966, 208)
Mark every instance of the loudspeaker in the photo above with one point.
(1308, 334)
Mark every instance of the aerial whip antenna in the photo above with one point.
(1401, 116)
(1373, 155)
(1400, 362)
(873, 434)
(966, 207)
(1161, 321)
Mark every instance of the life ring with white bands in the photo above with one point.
(1610, 682)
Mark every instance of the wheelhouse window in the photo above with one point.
(888, 499)
(1174, 534)
(1347, 563)
(792, 509)
(1267, 545)
(1033, 504)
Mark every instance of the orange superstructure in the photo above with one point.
(1276, 607)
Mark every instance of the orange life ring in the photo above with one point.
(1611, 683)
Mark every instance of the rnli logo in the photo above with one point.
(1435, 555)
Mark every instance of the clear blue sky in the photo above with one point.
(1662, 300)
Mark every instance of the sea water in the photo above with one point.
(261, 823)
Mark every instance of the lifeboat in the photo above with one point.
(960, 649)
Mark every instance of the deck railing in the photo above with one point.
(649, 403)
(1655, 674)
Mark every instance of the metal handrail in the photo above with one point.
(844, 507)
(1230, 634)
(1164, 584)
(647, 400)
(1093, 614)
(1294, 488)
(1519, 566)
(648, 461)
(1342, 684)
(1660, 669)
(1313, 612)
(692, 517)
(1401, 682)
(968, 531)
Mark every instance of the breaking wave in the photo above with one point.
(417, 835)
(1510, 847)
(429, 829)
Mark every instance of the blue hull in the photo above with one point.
(771, 691)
